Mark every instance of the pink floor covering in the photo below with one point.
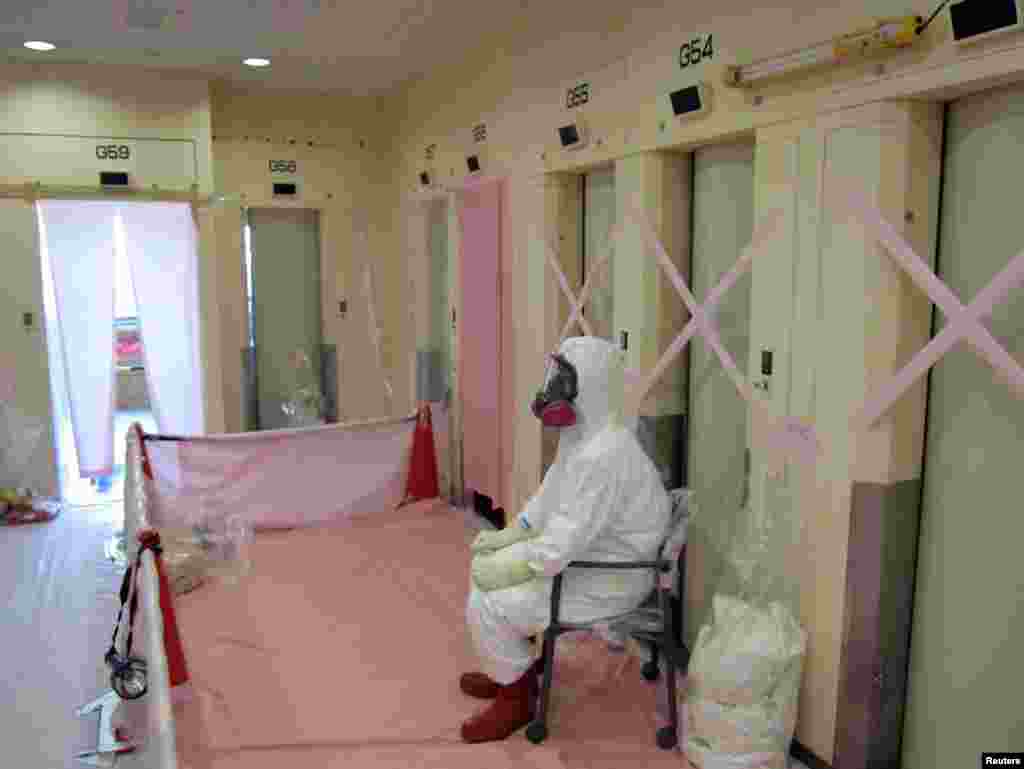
(343, 648)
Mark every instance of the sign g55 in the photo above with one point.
(695, 51)
(577, 96)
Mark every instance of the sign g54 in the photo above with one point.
(695, 51)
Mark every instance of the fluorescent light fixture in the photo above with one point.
(818, 56)
(257, 62)
(885, 34)
(39, 45)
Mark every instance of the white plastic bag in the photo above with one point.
(304, 406)
(745, 671)
(707, 758)
(741, 656)
(212, 545)
(745, 684)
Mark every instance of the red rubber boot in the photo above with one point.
(483, 687)
(511, 710)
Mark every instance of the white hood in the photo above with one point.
(600, 370)
(602, 496)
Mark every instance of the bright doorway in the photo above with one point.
(132, 386)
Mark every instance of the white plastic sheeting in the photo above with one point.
(160, 244)
(79, 243)
(280, 478)
(151, 717)
(21, 442)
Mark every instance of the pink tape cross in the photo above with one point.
(963, 323)
(577, 303)
(701, 320)
(787, 437)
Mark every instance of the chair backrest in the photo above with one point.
(679, 517)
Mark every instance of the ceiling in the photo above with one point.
(355, 46)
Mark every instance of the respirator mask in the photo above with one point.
(553, 405)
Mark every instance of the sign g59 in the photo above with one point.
(113, 152)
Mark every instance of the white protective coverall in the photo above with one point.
(602, 499)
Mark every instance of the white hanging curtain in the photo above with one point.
(160, 243)
(79, 239)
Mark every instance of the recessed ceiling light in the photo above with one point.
(257, 62)
(39, 45)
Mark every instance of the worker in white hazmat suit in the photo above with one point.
(601, 500)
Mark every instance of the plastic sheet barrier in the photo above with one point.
(206, 496)
(278, 478)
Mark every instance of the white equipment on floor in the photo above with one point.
(108, 747)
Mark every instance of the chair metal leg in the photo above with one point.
(650, 668)
(668, 736)
(537, 731)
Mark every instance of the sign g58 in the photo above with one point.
(283, 166)
(695, 51)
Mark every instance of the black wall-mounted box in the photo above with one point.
(971, 19)
(569, 135)
(113, 179)
(687, 100)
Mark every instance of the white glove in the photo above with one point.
(493, 541)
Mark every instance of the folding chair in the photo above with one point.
(654, 622)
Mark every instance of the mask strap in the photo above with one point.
(547, 369)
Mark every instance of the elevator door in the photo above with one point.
(436, 376)
(598, 223)
(723, 220)
(286, 305)
(966, 675)
(440, 306)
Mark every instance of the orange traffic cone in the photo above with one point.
(422, 482)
